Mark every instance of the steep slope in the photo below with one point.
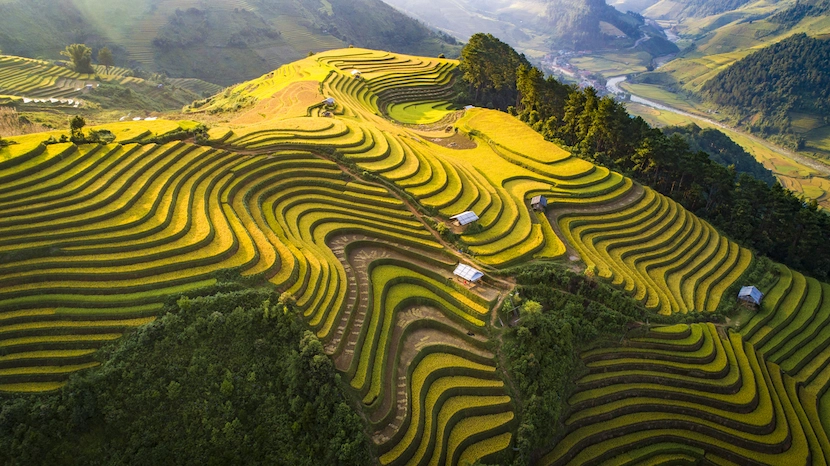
(772, 86)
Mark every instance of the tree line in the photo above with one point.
(769, 219)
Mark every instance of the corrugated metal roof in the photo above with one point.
(465, 218)
(468, 273)
(539, 200)
(750, 293)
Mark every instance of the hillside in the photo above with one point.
(773, 88)
(347, 212)
(222, 41)
(37, 85)
(537, 27)
(722, 150)
(679, 9)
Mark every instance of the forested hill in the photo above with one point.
(802, 9)
(576, 23)
(221, 41)
(767, 86)
(722, 150)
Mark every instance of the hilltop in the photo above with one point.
(330, 184)
(221, 41)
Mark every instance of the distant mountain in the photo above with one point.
(678, 9)
(535, 27)
(222, 41)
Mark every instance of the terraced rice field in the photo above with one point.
(330, 208)
(29, 78)
(39, 82)
(688, 393)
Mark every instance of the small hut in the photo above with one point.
(539, 203)
(357, 74)
(751, 295)
(465, 218)
(330, 102)
(468, 273)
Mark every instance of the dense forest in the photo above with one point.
(769, 219)
(231, 378)
(561, 313)
(722, 150)
(802, 9)
(764, 88)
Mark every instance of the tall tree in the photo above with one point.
(105, 58)
(81, 57)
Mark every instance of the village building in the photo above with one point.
(751, 295)
(465, 218)
(468, 273)
(539, 203)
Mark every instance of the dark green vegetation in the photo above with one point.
(765, 88)
(770, 220)
(802, 9)
(80, 56)
(230, 378)
(722, 150)
(542, 350)
(222, 41)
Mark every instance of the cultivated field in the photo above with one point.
(335, 203)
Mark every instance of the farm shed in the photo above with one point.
(330, 102)
(750, 294)
(356, 74)
(468, 273)
(539, 203)
(465, 218)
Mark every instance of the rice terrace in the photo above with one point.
(335, 181)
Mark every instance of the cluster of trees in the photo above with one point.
(765, 87)
(232, 378)
(561, 314)
(802, 9)
(769, 219)
(80, 56)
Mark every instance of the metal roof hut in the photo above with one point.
(468, 273)
(357, 74)
(751, 295)
(465, 218)
(539, 203)
(330, 102)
